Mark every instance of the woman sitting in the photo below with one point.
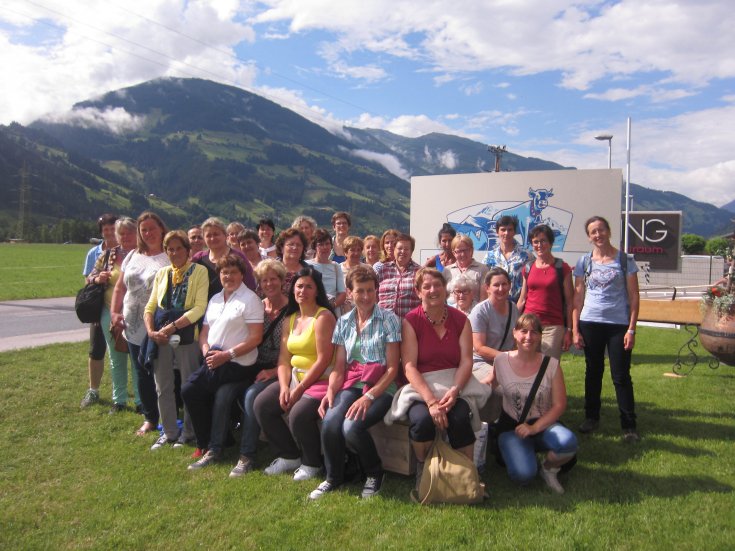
(466, 266)
(178, 300)
(436, 351)
(231, 333)
(541, 430)
(306, 354)
(361, 386)
(463, 295)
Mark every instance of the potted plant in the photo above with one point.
(717, 332)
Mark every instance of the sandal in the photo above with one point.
(145, 428)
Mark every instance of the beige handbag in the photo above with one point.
(449, 476)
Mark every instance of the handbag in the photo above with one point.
(506, 423)
(121, 344)
(164, 316)
(91, 299)
(449, 476)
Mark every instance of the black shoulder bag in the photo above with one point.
(91, 299)
(506, 423)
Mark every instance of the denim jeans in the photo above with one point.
(250, 426)
(146, 386)
(338, 432)
(597, 337)
(519, 453)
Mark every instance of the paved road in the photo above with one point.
(35, 322)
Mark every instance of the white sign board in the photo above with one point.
(472, 203)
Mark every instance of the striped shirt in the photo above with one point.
(383, 327)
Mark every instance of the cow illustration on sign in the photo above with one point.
(478, 221)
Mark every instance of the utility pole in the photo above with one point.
(498, 151)
(24, 202)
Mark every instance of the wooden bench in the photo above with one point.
(686, 313)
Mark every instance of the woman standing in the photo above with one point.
(107, 273)
(341, 223)
(332, 277)
(215, 236)
(361, 386)
(306, 354)
(466, 266)
(266, 231)
(387, 244)
(250, 247)
(372, 249)
(353, 247)
(436, 351)
(178, 300)
(446, 257)
(131, 294)
(306, 225)
(540, 430)
(548, 293)
(291, 245)
(397, 289)
(606, 304)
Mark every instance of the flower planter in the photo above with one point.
(717, 335)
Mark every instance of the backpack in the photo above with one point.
(622, 260)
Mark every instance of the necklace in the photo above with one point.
(441, 321)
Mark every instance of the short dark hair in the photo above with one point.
(266, 222)
(341, 214)
(177, 234)
(405, 237)
(288, 234)
(248, 234)
(106, 219)
(542, 228)
(508, 220)
(320, 236)
(231, 261)
(360, 274)
(495, 271)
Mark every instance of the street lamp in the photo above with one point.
(608, 138)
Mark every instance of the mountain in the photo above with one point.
(190, 148)
(730, 206)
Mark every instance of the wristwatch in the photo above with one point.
(631, 331)
(370, 396)
(231, 351)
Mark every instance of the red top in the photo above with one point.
(543, 297)
(435, 354)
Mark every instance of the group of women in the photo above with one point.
(425, 344)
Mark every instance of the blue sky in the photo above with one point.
(542, 77)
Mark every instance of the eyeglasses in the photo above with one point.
(461, 251)
(462, 292)
(294, 245)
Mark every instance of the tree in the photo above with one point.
(718, 246)
(692, 243)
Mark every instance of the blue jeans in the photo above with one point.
(519, 454)
(146, 387)
(250, 426)
(338, 433)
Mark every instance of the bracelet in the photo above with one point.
(631, 331)
(231, 351)
(432, 404)
(370, 396)
(174, 324)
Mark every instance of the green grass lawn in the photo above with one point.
(80, 479)
(41, 270)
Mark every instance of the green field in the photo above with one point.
(41, 270)
(75, 479)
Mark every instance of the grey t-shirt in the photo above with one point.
(484, 319)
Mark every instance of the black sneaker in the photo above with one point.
(372, 486)
(589, 425)
(162, 442)
(117, 408)
(323, 488)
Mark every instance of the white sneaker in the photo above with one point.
(304, 472)
(549, 476)
(281, 466)
(323, 488)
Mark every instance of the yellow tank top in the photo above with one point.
(303, 347)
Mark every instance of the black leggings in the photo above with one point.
(459, 430)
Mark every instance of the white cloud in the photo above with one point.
(116, 120)
(411, 126)
(472, 89)
(391, 163)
